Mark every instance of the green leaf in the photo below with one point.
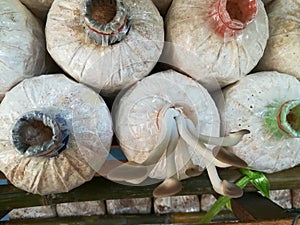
(221, 202)
(262, 184)
(259, 180)
(228, 205)
(215, 209)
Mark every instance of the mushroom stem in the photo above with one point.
(221, 187)
(135, 172)
(232, 139)
(184, 161)
(170, 155)
(167, 127)
(214, 178)
(222, 157)
(193, 141)
(171, 184)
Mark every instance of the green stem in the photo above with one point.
(222, 201)
(259, 181)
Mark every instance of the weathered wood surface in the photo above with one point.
(254, 207)
(268, 222)
(101, 189)
(173, 218)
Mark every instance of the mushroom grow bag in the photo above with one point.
(267, 104)
(167, 124)
(216, 42)
(105, 44)
(22, 45)
(283, 48)
(54, 134)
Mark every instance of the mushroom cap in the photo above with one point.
(193, 171)
(245, 104)
(168, 187)
(224, 155)
(128, 171)
(231, 189)
(89, 142)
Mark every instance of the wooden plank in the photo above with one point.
(101, 189)
(174, 218)
(268, 222)
(253, 206)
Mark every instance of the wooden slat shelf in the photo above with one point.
(172, 218)
(252, 207)
(100, 188)
(268, 222)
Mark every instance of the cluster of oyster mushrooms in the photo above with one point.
(175, 133)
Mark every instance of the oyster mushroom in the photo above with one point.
(215, 42)
(267, 104)
(105, 44)
(163, 124)
(55, 134)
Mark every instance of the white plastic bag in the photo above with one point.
(22, 45)
(107, 55)
(268, 105)
(216, 42)
(283, 48)
(54, 134)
